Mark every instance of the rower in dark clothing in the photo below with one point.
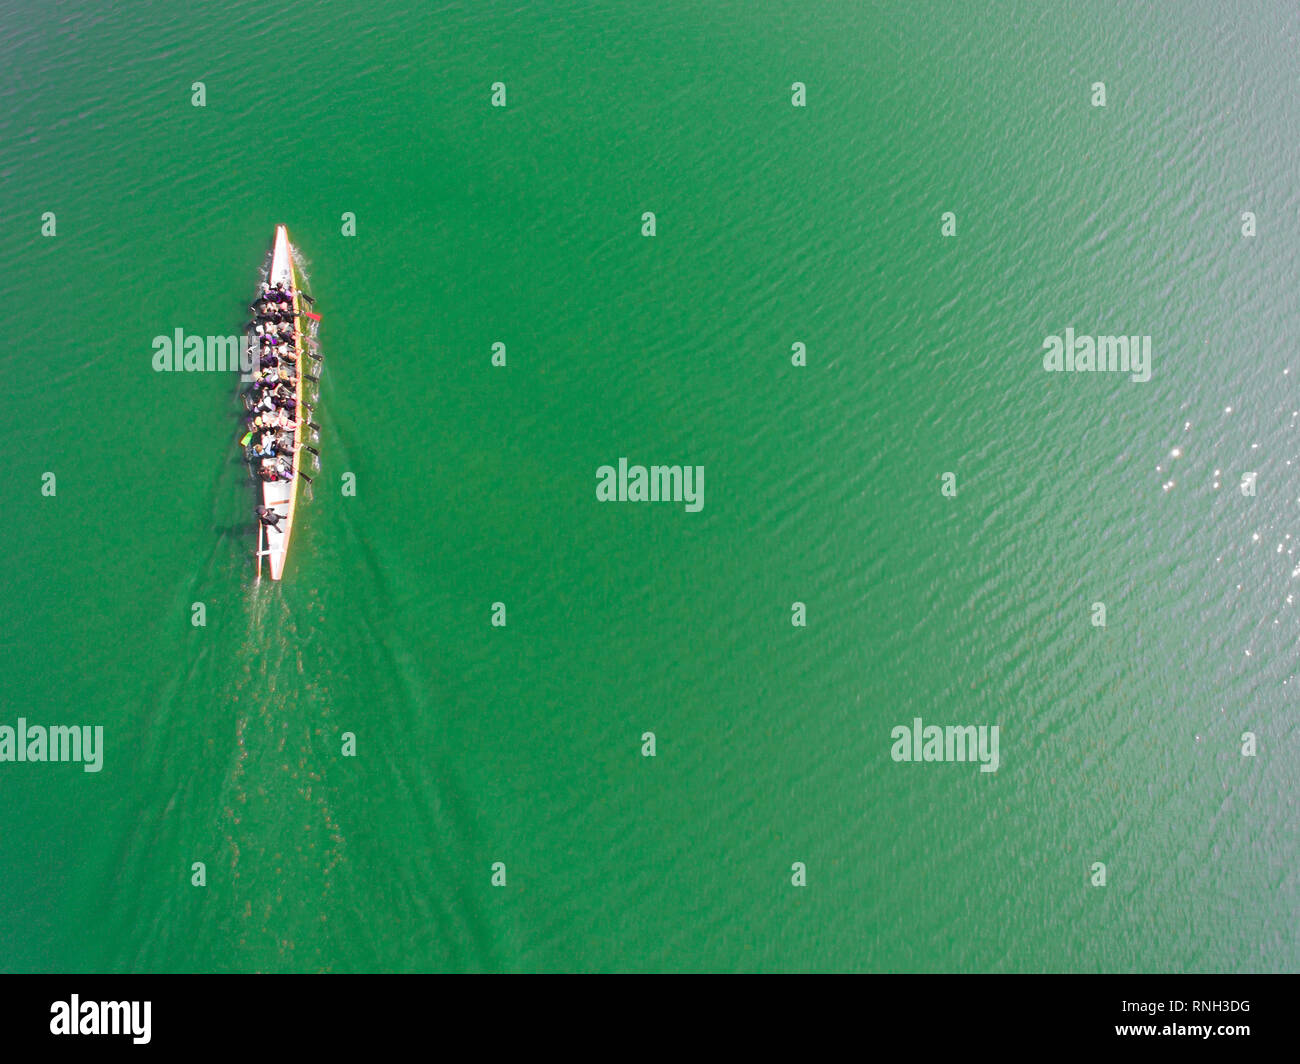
(269, 518)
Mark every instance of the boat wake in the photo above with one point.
(277, 821)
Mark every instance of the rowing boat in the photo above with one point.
(281, 496)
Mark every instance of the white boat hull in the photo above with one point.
(281, 496)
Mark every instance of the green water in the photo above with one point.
(475, 484)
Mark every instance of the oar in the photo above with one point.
(312, 449)
(308, 298)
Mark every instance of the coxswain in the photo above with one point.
(269, 518)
